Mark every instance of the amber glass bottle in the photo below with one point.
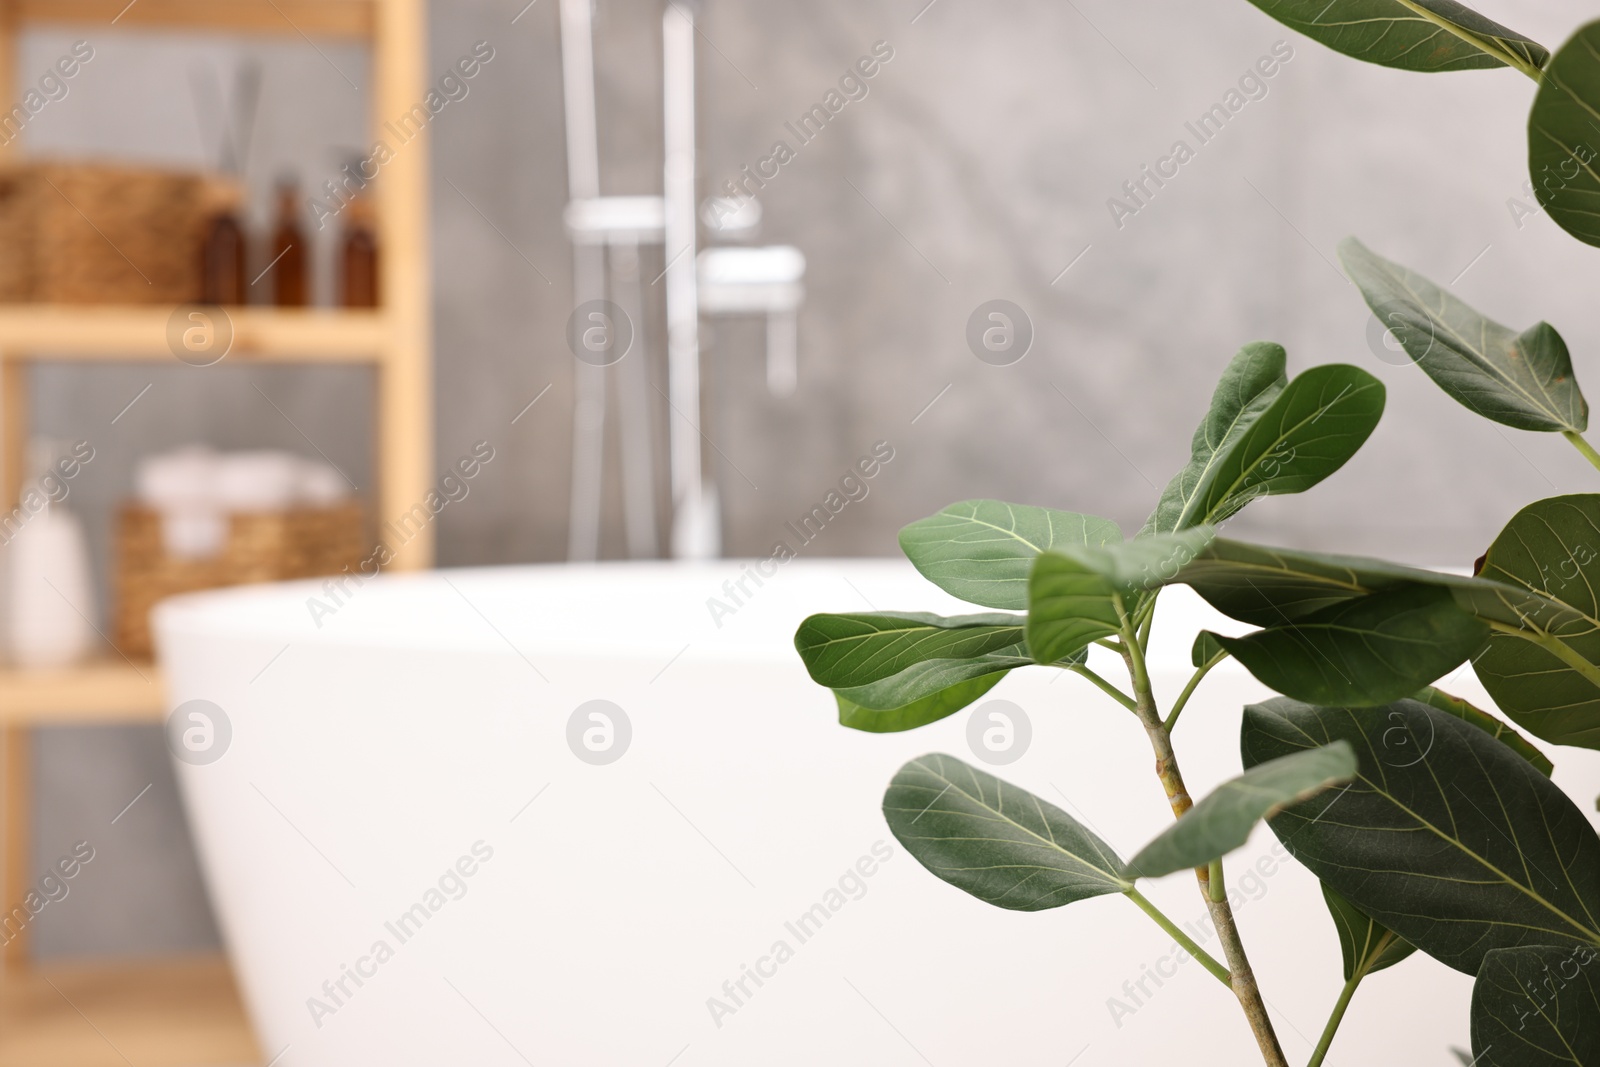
(288, 271)
(222, 249)
(358, 257)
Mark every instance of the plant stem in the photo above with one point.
(1582, 446)
(1217, 970)
(1112, 691)
(1244, 980)
(1144, 617)
(1241, 978)
(1335, 1019)
(1188, 690)
(1219, 891)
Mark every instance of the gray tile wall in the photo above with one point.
(978, 167)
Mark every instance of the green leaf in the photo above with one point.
(1522, 380)
(981, 550)
(1537, 1007)
(933, 676)
(1562, 137)
(1252, 381)
(1445, 837)
(1548, 685)
(1223, 820)
(1420, 35)
(1271, 586)
(909, 716)
(1072, 607)
(848, 651)
(1532, 628)
(1475, 716)
(1000, 843)
(1078, 595)
(1368, 945)
(1368, 650)
(1206, 648)
(1310, 430)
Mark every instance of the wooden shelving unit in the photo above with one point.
(103, 691)
(316, 18)
(52, 333)
(173, 1013)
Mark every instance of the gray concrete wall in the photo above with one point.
(978, 167)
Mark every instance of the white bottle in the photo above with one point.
(49, 588)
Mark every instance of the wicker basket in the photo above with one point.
(74, 233)
(260, 547)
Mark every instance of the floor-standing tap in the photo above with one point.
(719, 281)
(606, 233)
(696, 524)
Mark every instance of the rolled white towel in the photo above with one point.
(195, 489)
(320, 485)
(185, 477)
(257, 481)
(182, 486)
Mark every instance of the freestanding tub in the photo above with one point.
(424, 849)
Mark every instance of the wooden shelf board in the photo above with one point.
(45, 332)
(104, 691)
(167, 1014)
(328, 18)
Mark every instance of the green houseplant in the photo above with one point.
(1469, 853)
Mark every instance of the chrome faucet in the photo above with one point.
(732, 280)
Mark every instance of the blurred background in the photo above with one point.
(979, 165)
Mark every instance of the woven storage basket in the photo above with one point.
(260, 547)
(78, 233)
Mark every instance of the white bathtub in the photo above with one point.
(428, 718)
